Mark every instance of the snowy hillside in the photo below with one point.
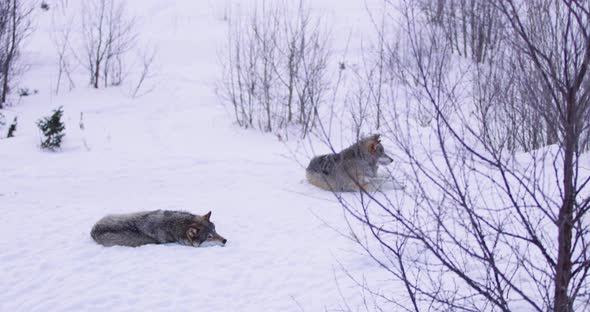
(174, 148)
(218, 105)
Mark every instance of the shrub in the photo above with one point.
(276, 69)
(24, 92)
(12, 129)
(53, 129)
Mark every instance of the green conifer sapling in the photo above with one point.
(52, 128)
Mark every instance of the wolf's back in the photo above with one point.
(121, 230)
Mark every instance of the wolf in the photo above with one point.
(156, 227)
(352, 169)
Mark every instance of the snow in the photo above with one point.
(175, 148)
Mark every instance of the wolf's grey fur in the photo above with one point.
(155, 227)
(351, 169)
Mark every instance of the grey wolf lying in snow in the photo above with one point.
(156, 227)
(351, 169)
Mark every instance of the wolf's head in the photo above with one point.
(372, 149)
(202, 232)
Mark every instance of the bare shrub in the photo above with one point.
(108, 35)
(372, 99)
(63, 24)
(472, 28)
(513, 100)
(109, 46)
(276, 66)
(12, 128)
(147, 59)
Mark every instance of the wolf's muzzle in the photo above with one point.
(385, 160)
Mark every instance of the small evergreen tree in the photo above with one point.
(52, 128)
(11, 129)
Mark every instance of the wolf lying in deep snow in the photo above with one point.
(351, 169)
(156, 227)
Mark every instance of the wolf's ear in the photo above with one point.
(373, 147)
(376, 137)
(193, 233)
(207, 216)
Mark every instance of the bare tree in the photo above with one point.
(565, 75)
(482, 225)
(108, 35)
(15, 26)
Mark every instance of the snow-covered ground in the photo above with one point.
(175, 148)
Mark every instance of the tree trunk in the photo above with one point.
(9, 54)
(4, 87)
(563, 270)
(5, 73)
(96, 75)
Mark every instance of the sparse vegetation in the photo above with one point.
(23, 92)
(495, 213)
(275, 73)
(109, 34)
